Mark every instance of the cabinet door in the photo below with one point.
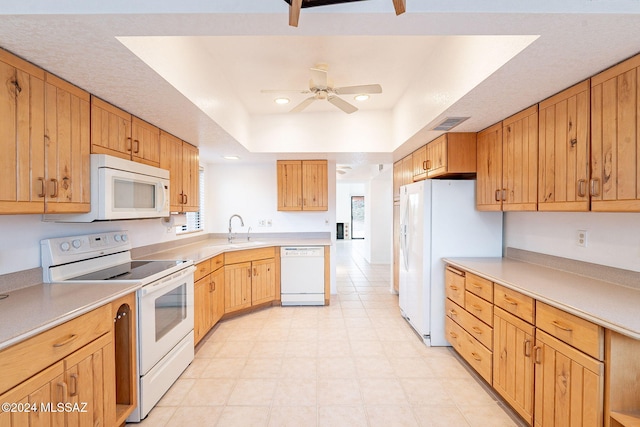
(568, 385)
(110, 129)
(615, 132)
(217, 304)
(315, 188)
(171, 159)
(90, 378)
(419, 159)
(563, 150)
(407, 170)
(437, 156)
(22, 175)
(489, 170)
(67, 147)
(190, 178)
(289, 185)
(237, 286)
(145, 142)
(513, 363)
(202, 308)
(520, 161)
(46, 388)
(263, 281)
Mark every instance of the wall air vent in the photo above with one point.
(449, 123)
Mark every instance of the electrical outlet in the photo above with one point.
(261, 223)
(169, 230)
(581, 238)
(269, 223)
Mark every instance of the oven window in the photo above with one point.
(171, 310)
(134, 194)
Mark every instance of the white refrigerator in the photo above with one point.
(438, 219)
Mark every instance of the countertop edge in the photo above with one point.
(568, 308)
(67, 316)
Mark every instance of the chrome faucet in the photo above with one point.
(241, 224)
(249, 234)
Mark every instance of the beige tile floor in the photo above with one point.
(353, 363)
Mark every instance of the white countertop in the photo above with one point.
(29, 311)
(205, 249)
(613, 306)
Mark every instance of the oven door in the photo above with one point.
(128, 195)
(165, 316)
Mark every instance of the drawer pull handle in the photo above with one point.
(476, 307)
(43, 190)
(453, 335)
(72, 337)
(476, 356)
(477, 330)
(510, 300)
(498, 195)
(561, 326)
(453, 288)
(527, 348)
(454, 271)
(73, 385)
(475, 285)
(582, 187)
(538, 355)
(453, 312)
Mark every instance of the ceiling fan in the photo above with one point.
(296, 5)
(322, 89)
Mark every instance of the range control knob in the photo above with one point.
(116, 237)
(65, 246)
(76, 243)
(124, 237)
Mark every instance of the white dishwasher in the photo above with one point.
(302, 275)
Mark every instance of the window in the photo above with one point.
(195, 220)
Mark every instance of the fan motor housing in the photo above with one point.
(313, 3)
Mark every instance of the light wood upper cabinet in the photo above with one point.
(397, 180)
(407, 170)
(22, 168)
(489, 169)
(615, 136)
(183, 162)
(67, 147)
(118, 133)
(520, 161)
(563, 155)
(419, 160)
(302, 185)
(452, 154)
(145, 142)
(110, 129)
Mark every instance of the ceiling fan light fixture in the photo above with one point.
(281, 101)
(361, 97)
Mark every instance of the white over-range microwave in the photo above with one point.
(122, 189)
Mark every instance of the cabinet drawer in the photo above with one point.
(480, 308)
(202, 269)
(475, 327)
(23, 360)
(235, 257)
(454, 285)
(480, 359)
(514, 302)
(479, 286)
(217, 262)
(579, 333)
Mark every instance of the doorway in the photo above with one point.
(357, 217)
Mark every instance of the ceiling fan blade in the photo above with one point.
(319, 78)
(342, 104)
(400, 6)
(294, 12)
(304, 91)
(304, 104)
(354, 90)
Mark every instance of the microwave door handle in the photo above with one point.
(164, 192)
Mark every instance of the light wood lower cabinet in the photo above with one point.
(208, 296)
(263, 281)
(251, 277)
(513, 362)
(237, 287)
(569, 385)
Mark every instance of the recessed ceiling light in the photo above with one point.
(362, 97)
(281, 101)
(231, 157)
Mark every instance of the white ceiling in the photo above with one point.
(198, 67)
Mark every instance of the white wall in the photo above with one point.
(381, 217)
(613, 238)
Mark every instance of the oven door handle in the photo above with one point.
(167, 281)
